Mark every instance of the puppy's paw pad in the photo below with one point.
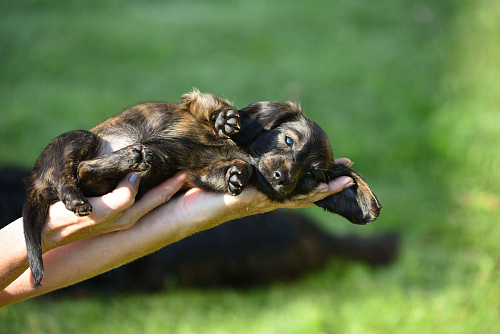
(226, 123)
(81, 207)
(141, 157)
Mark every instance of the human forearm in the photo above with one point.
(89, 257)
(77, 248)
(13, 255)
(63, 227)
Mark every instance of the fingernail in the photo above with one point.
(135, 179)
(349, 164)
(348, 185)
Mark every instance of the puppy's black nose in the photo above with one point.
(280, 176)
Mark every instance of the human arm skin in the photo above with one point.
(77, 248)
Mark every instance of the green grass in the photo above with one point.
(407, 90)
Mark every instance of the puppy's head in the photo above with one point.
(292, 154)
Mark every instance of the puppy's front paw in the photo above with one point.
(226, 122)
(141, 157)
(79, 205)
(237, 177)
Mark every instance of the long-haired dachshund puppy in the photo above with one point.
(271, 145)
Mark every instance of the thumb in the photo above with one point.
(135, 179)
(123, 196)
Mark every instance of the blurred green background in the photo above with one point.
(409, 90)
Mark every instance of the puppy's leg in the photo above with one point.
(219, 114)
(224, 176)
(54, 178)
(101, 174)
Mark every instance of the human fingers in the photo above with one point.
(324, 190)
(251, 201)
(121, 198)
(320, 192)
(63, 226)
(109, 212)
(203, 209)
(199, 209)
(344, 161)
(157, 196)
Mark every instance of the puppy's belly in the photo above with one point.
(111, 143)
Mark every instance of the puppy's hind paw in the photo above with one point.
(226, 122)
(81, 207)
(141, 157)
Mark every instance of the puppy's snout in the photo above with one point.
(280, 176)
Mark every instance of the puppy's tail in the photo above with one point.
(34, 212)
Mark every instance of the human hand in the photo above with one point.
(198, 210)
(111, 212)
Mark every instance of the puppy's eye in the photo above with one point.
(311, 175)
(289, 141)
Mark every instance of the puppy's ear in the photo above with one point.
(271, 114)
(358, 203)
(203, 104)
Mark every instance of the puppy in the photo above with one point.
(269, 144)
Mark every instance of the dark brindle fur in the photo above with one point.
(269, 144)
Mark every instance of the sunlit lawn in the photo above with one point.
(407, 90)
